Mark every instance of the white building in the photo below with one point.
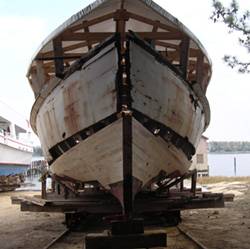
(200, 161)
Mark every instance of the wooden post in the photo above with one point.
(58, 190)
(182, 186)
(199, 68)
(53, 184)
(235, 166)
(40, 73)
(66, 192)
(193, 187)
(44, 188)
(184, 54)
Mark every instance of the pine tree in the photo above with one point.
(235, 22)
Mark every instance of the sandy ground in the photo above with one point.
(227, 227)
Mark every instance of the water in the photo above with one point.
(219, 165)
(223, 164)
(34, 180)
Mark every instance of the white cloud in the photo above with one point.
(20, 36)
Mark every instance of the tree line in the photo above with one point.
(214, 146)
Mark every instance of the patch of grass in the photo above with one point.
(216, 179)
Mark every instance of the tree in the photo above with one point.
(37, 151)
(235, 22)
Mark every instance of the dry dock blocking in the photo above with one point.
(98, 201)
(76, 206)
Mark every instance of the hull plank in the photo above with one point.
(152, 154)
(99, 157)
(161, 95)
(84, 98)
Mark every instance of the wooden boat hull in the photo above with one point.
(127, 112)
(166, 123)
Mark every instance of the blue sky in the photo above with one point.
(24, 24)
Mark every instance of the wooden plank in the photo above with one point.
(88, 96)
(152, 154)
(162, 96)
(36, 200)
(150, 204)
(229, 197)
(97, 156)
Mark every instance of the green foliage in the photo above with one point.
(37, 151)
(227, 147)
(235, 22)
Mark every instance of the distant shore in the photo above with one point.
(230, 152)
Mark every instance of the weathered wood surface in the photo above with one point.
(143, 17)
(98, 157)
(84, 98)
(163, 96)
(112, 206)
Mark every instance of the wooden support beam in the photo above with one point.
(184, 55)
(127, 164)
(40, 73)
(86, 30)
(35, 83)
(91, 22)
(155, 23)
(193, 187)
(121, 18)
(103, 35)
(199, 68)
(58, 53)
(122, 4)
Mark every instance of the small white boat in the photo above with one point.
(16, 147)
(120, 96)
